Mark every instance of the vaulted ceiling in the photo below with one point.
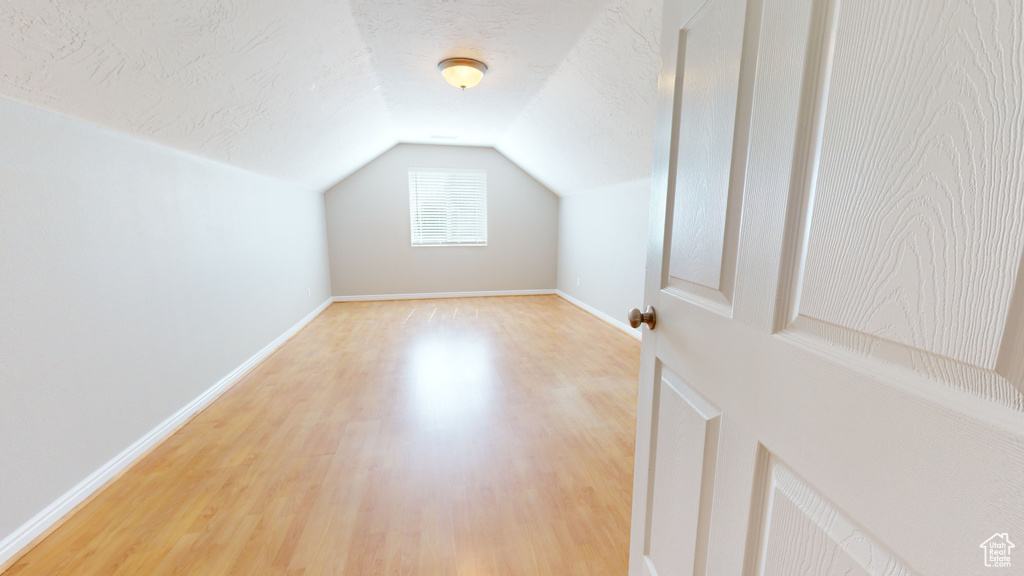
(308, 91)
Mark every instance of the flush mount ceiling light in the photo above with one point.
(462, 72)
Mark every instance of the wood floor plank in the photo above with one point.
(422, 437)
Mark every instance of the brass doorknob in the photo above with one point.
(647, 317)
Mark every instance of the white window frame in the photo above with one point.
(457, 191)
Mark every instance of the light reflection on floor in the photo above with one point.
(452, 377)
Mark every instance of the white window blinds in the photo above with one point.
(448, 207)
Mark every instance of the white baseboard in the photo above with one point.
(634, 332)
(429, 295)
(24, 536)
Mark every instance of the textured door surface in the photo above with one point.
(836, 381)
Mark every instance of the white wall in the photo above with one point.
(369, 238)
(132, 278)
(602, 244)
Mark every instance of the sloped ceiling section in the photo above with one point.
(592, 125)
(522, 41)
(308, 91)
(279, 88)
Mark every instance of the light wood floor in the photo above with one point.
(428, 437)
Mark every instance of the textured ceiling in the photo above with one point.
(310, 90)
(521, 41)
(592, 125)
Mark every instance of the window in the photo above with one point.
(448, 207)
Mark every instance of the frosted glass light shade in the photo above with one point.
(462, 72)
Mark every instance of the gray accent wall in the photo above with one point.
(370, 245)
(132, 278)
(602, 246)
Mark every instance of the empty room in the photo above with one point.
(511, 287)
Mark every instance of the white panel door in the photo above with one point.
(835, 384)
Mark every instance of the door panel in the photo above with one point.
(806, 535)
(894, 255)
(866, 364)
(685, 447)
(705, 230)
